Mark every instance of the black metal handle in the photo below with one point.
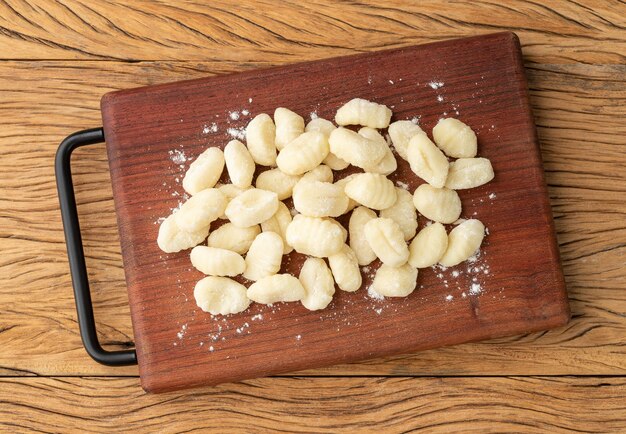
(76, 256)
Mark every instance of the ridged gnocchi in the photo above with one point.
(264, 257)
(326, 127)
(463, 241)
(260, 138)
(439, 204)
(395, 281)
(342, 184)
(372, 190)
(304, 153)
(277, 181)
(359, 111)
(172, 238)
(231, 237)
(401, 132)
(427, 161)
(455, 138)
(388, 164)
(201, 209)
(214, 261)
(386, 240)
(276, 288)
(220, 296)
(278, 223)
(345, 268)
(318, 284)
(469, 173)
(403, 212)
(239, 164)
(428, 246)
(356, 149)
(252, 207)
(314, 236)
(319, 199)
(289, 125)
(358, 243)
(205, 171)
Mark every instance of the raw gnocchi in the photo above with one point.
(342, 183)
(314, 236)
(372, 190)
(264, 257)
(289, 125)
(469, 173)
(345, 268)
(231, 237)
(360, 111)
(172, 238)
(386, 240)
(359, 218)
(401, 132)
(252, 207)
(428, 246)
(463, 241)
(205, 171)
(427, 161)
(403, 212)
(455, 138)
(326, 127)
(318, 284)
(439, 204)
(201, 209)
(356, 149)
(220, 296)
(276, 288)
(319, 199)
(260, 137)
(395, 281)
(388, 164)
(277, 181)
(214, 261)
(304, 153)
(278, 223)
(239, 164)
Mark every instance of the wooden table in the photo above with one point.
(58, 58)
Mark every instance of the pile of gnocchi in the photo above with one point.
(261, 228)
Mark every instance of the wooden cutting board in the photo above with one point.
(515, 286)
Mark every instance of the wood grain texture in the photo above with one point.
(325, 405)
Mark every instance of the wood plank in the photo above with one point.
(556, 32)
(578, 109)
(433, 405)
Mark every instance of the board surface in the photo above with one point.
(515, 286)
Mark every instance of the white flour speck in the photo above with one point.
(234, 115)
(403, 185)
(449, 297)
(177, 156)
(390, 81)
(435, 84)
(257, 317)
(378, 310)
(237, 133)
(313, 115)
(440, 99)
(298, 337)
(181, 333)
(245, 112)
(492, 196)
(210, 128)
(455, 273)
(211, 349)
(475, 288)
(416, 120)
(373, 294)
(249, 99)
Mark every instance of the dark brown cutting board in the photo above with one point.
(515, 286)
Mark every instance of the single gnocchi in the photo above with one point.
(239, 164)
(315, 236)
(220, 296)
(276, 288)
(401, 132)
(359, 111)
(319, 199)
(342, 184)
(318, 284)
(326, 127)
(395, 281)
(427, 161)
(345, 268)
(463, 241)
(388, 164)
(252, 207)
(372, 190)
(231, 237)
(172, 238)
(264, 257)
(278, 223)
(439, 204)
(387, 241)
(359, 218)
(260, 138)
(201, 209)
(428, 246)
(455, 138)
(469, 173)
(403, 212)
(356, 149)
(205, 171)
(303, 154)
(214, 261)
(289, 125)
(277, 181)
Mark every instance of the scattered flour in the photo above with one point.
(436, 84)
(177, 156)
(440, 99)
(298, 337)
(416, 120)
(234, 115)
(210, 128)
(237, 133)
(313, 115)
(449, 297)
(475, 288)
(403, 185)
(181, 333)
(492, 196)
(257, 317)
(373, 294)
